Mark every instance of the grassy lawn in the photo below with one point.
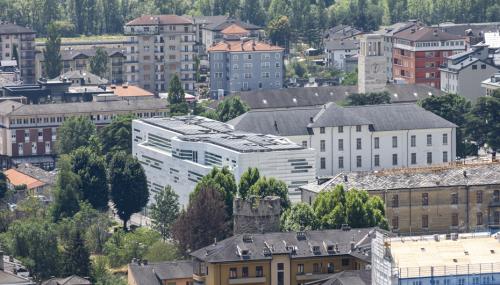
(89, 38)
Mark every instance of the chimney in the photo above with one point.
(345, 178)
(311, 119)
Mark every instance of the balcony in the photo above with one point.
(312, 276)
(247, 280)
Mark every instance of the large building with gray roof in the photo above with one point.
(179, 151)
(359, 138)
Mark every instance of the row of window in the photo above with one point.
(453, 198)
(233, 272)
(376, 160)
(20, 148)
(249, 56)
(454, 220)
(97, 117)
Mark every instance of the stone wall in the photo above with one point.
(256, 215)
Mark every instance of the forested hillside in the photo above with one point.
(306, 17)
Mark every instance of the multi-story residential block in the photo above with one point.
(453, 198)
(160, 273)
(359, 138)
(419, 52)
(474, 32)
(339, 51)
(179, 151)
(462, 259)
(159, 47)
(29, 132)
(239, 65)
(212, 33)
(491, 84)
(21, 39)
(79, 60)
(282, 258)
(463, 73)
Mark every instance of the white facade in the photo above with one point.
(180, 151)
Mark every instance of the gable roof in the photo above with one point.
(247, 46)
(159, 20)
(70, 280)
(263, 246)
(7, 278)
(234, 29)
(88, 77)
(348, 277)
(18, 178)
(426, 34)
(9, 28)
(129, 91)
(221, 25)
(341, 44)
(154, 273)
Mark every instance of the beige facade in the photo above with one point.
(23, 40)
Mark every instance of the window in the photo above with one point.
(345, 262)
(425, 221)
(429, 140)
(330, 267)
(445, 139)
(300, 268)
(479, 197)
(323, 163)
(358, 161)
(316, 268)
(259, 271)
(358, 128)
(479, 219)
(358, 143)
(425, 199)
(483, 66)
(244, 272)
(233, 273)
(377, 160)
(341, 129)
(413, 158)
(454, 198)
(394, 141)
(454, 220)
(304, 144)
(413, 139)
(341, 144)
(395, 223)
(394, 159)
(474, 66)
(395, 201)
(322, 145)
(322, 130)
(341, 162)
(281, 274)
(429, 158)
(445, 156)
(496, 195)
(376, 142)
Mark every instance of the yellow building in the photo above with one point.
(291, 258)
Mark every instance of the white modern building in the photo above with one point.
(359, 138)
(491, 84)
(179, 151)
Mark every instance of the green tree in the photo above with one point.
(91, 168)
(99, 62)
(453, 108)
(75, 132)
(117, 136)
(298, 218)
(175, 91)
(129, 189)
(483, 121)
(76, 258)
(162, 251)
(122, 247)
(203, 228)
(52, 52)
(15, 54)
(372, 98)
(231, 108)
(350, 78)
(252, 12)
(248, 178)
(279, 31)
(271, 187)
(3, 185)
(165, 211)
(66, 195)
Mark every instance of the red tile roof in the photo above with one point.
(159, 20)
(17, 178)
(238, 46)
(129, 90)
(234, 30)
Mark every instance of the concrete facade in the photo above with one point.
(23, 39)
(371, 64)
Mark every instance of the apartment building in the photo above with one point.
(282, 258)
(452, 198)
(242, 65)
(491, 84)
(213, 32)
(463, 73)
(462, 259)
(179, 151)
(29, 132)
(359, 138)
(338, 51)
(21, 39)
(418, 53)
(160, 46)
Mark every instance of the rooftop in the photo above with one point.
(12, 108)
(70, 53)
(348, 277)
(234, 29)
(70, 280)
(341, 44)
(426, 34)
(89, 78)
(129, 91)
(355, 242)
(412, 178)
(47, 177)
(415, 256)
(8, 28)
(201, 129)
(315, 96)
(147, 20)
(152, 273)
(18, 178)
(245, 46)
(7, 278)
(298, 121)
(219, 24)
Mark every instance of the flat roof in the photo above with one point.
(413, 255)
(201, 129)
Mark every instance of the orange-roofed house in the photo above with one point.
(241, 65)
(18, 179)
(130, 91)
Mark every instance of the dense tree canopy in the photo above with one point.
(164, 211)
(223, 180)
(117, 136)
(372, 98)
(52, 53)
(99, 62)
(66, 193)
(298, 218)
(483, 121)
(75, 132)
(228, 109)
